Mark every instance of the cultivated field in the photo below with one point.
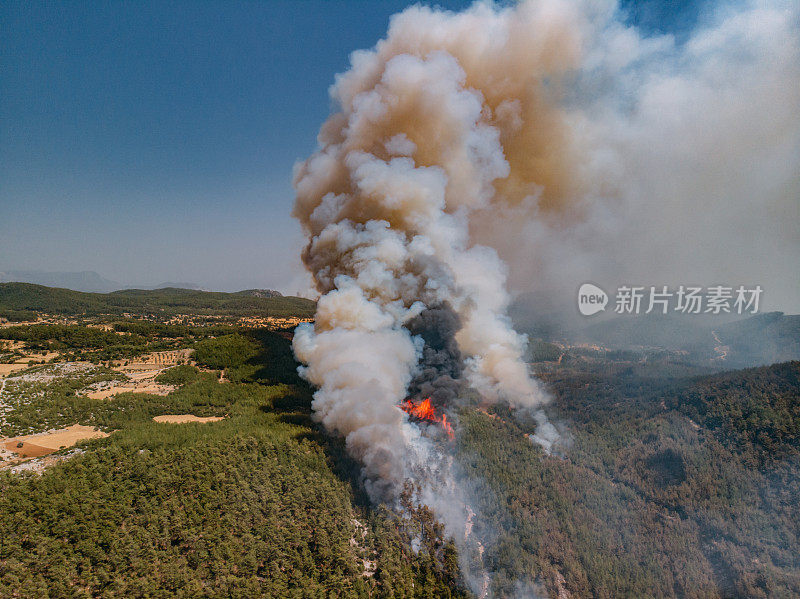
(34, 446)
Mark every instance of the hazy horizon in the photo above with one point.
(63, 278)
(153, 143)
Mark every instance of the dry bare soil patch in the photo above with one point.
(34, 446)
(181, 418)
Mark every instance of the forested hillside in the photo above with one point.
(259, 504)
(28, 297)
(661, 488)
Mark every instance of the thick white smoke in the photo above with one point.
(568, 142)
(387, 200)
(685, 160)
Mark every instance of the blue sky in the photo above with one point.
(155, 141)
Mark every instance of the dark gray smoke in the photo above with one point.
(439, 374)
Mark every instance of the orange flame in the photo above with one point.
(425, 411)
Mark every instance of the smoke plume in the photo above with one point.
(438, 374)
(684, 158)
(410, 303)
(554, 135)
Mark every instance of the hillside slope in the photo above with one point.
(660, 488)
(258, 504)
(26, 296)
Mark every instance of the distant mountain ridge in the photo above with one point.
(168, 284)
(168, 301)
(260, 293)
(87, 281)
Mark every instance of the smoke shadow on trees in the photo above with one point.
(272, 362)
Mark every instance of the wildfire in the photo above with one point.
(425, 411)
